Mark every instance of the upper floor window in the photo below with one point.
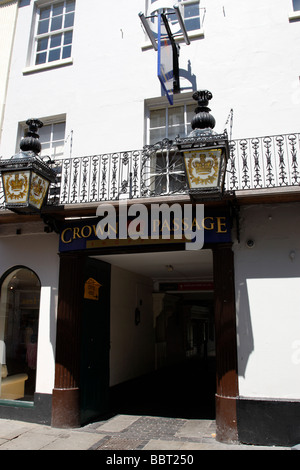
(191, 14)
(52, 137)
(190, 10)
(296, 5)
(54, 34)
(168, 122)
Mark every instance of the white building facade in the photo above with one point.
(90, 75)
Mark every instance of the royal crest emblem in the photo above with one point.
(202, 167)
(38, 189)
(16, 186)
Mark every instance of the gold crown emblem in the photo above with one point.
(202, 165)
(37, 188)
(17, 183)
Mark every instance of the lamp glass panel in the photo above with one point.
(203, 168)
(38, 190)
(16, 186)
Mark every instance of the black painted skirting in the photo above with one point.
(268, 422)
(39, 412)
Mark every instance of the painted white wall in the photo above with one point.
(245, 58)
(132, 347)
(268, 304)
(8, 15)
(38, 252)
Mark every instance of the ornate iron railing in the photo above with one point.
(265, 162)
(254, 163)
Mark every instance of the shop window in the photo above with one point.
(19, 319)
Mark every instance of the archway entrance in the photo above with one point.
(66, 412)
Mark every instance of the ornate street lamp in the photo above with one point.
(205, 153)
(26, 177)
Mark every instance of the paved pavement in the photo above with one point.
(120, 433)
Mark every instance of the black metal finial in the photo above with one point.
(31, 141)
(203, 119)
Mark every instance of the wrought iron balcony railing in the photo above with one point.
(254, 163)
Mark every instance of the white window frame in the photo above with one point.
(31, 66)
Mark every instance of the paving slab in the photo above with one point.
(29, 441)
(73, 441)
(197, 429)
(11, 429)
(118, 423)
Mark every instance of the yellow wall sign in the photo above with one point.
(91, 289)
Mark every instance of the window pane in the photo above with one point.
(191, 10)
(175, 131)
(42, 44)
(43, 27)
(158, 118)
(176, 122)
(52, 137)
(66, 52)
(56, 40)
(69, 20)
(70, 6)
(54, 55)
(45, 149)
(68, 38)
(41, 58)
(59, 131)
(157, 134)
(44, 13)
(296, 5)
(192, 24)
(176, 116)
(190, 112)
(56, 23)
(45, 134)
(58, 149)
(58, 9)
